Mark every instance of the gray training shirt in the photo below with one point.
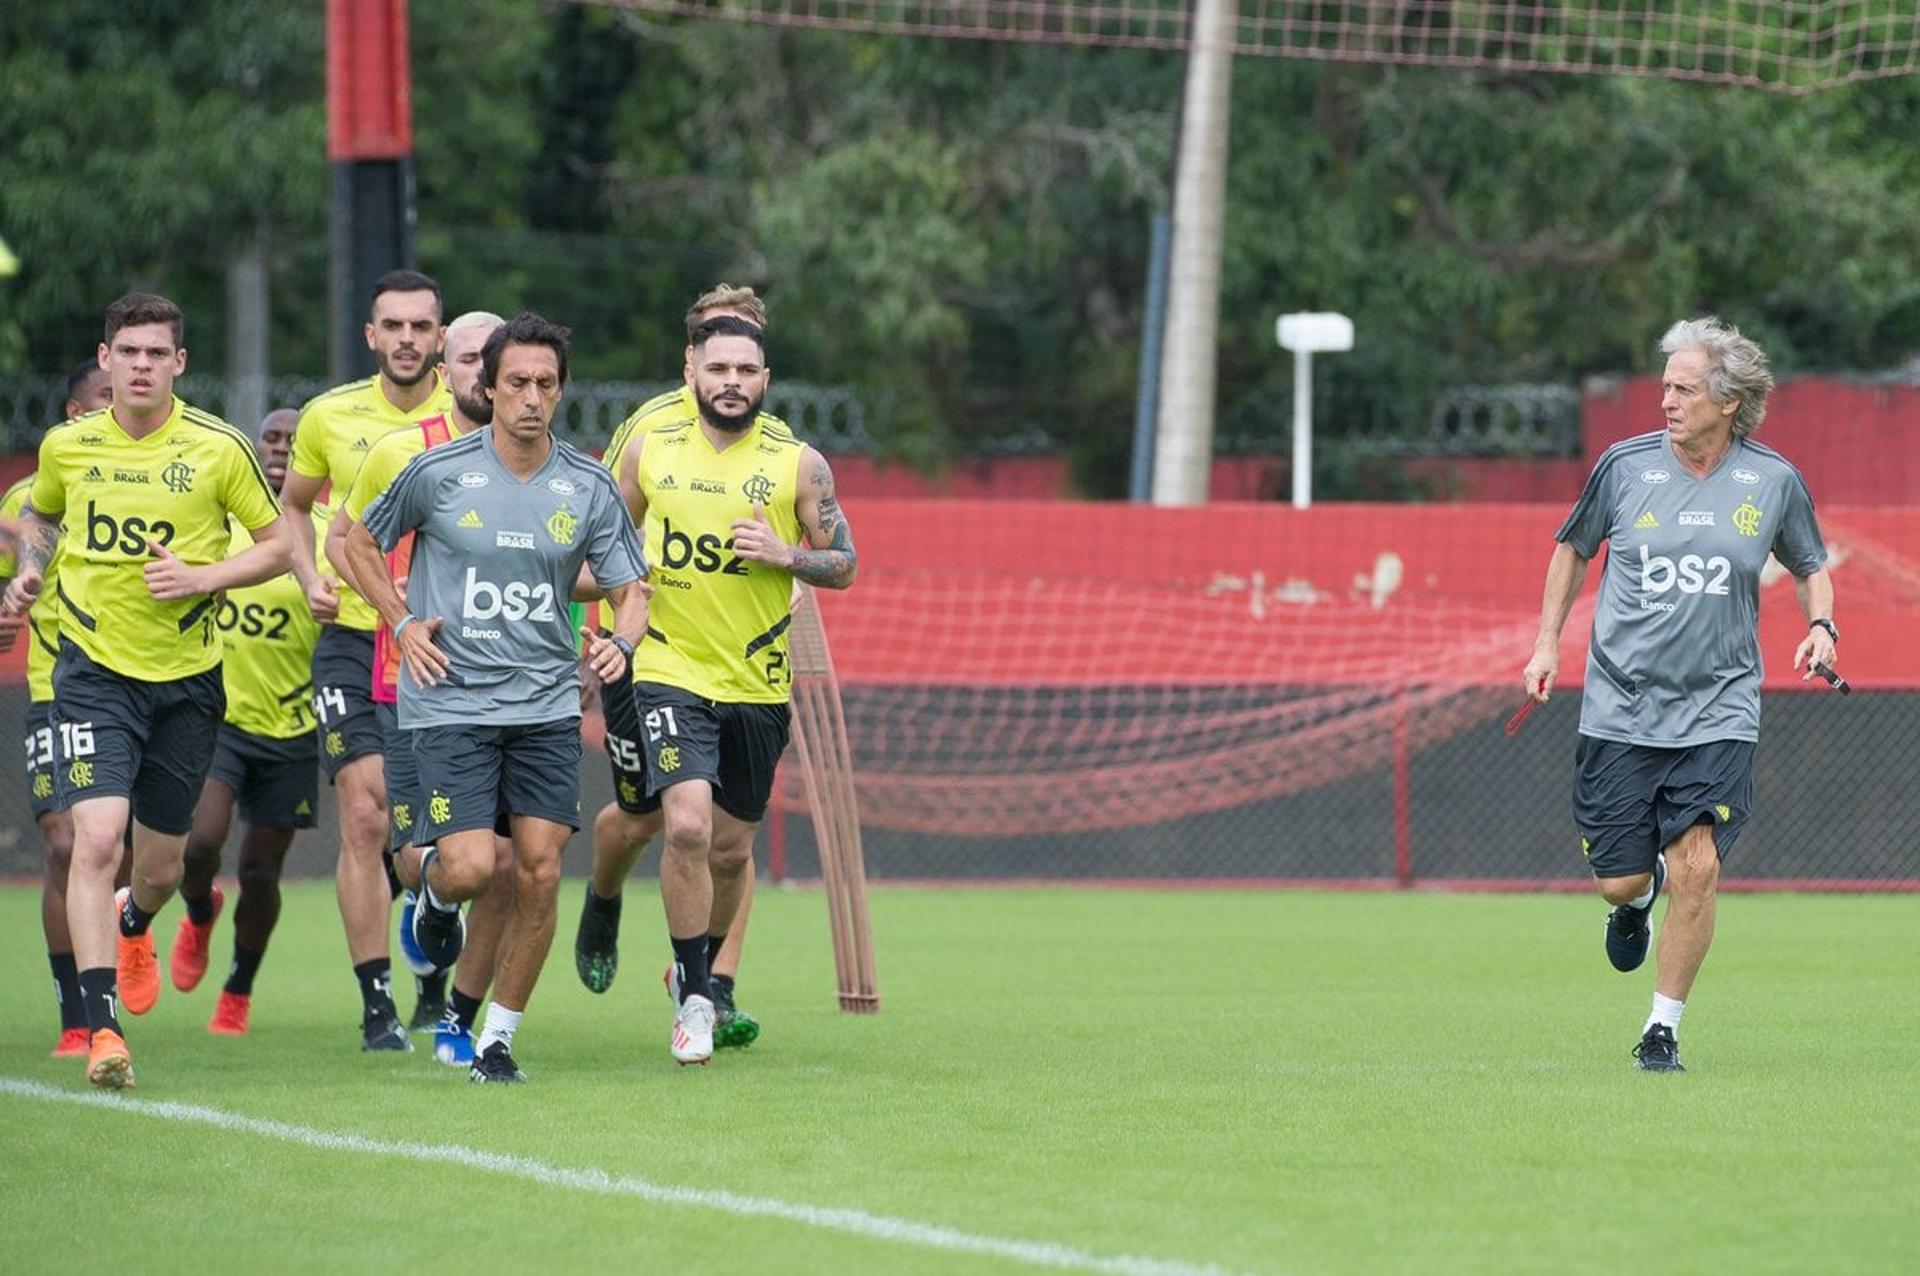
(496, 559)
(1675, 659)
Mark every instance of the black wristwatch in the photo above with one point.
(1825, 624)
(626, 648)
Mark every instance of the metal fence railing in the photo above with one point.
(836, 419)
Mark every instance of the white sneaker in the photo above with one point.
(671, 978)
(693, 1031)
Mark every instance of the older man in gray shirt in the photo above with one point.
(1671, 711)
(503, 520)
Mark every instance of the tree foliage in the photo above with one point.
(962, 228)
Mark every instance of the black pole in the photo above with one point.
(372, 233)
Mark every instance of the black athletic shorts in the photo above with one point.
(1630, 801)
(42, 792)
(734, 747)
(624, 753)
(149, 742)
(343, 697)
(276, 782)
(476, 776)
(403, 778)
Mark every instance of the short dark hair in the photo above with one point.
(138, 308)
(82, 371)
(406, 281)
(524, 329)
(730, 326)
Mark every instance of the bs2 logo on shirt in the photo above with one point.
(1692, 574)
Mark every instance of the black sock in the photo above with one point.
(394, 884)
(692, 956)
(134, 919)
(721, 984)
(246, 964)
(431, 987)
(99, 992)
(66, 987)
(199, 911)
(713, 948)
(376, 984)
(465, 1009)
(608, 908)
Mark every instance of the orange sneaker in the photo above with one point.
(229, 1015)
(109, 1066)
(73, 1044)
(188, 963)
(139, 969)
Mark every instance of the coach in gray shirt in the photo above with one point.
(1671, 711)
(503, 519)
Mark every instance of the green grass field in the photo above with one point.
(1254, 1082)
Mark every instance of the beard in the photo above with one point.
(387, 370)
(720, 419)
(478, 409)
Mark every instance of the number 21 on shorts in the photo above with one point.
(655, 719)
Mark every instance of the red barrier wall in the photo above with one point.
(1065, 593)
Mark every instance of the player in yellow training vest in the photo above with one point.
(625, 825)
(336, 432)
(88, 390)
(266, 759)
(144, 492)
(735, 511)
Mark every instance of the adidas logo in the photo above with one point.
(305, 808)
(360, 445)
(1647, 522)
(470, 519)
(93, 472)
(666, 484)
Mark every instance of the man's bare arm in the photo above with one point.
(830, 561)
(368, 571)
(297, 496)
(1566, 572)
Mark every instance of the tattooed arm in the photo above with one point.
(39, 536)
(831, 561)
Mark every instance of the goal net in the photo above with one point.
(1791, 46)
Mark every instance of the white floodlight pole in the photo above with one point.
(1307, 334)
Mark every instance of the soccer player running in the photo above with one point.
(336, 432)
(503, 519)
(625, 825)
(1670, 714)
(144, 491)
(266, 760)
(88, 390)
(486, 921)
(736, 510)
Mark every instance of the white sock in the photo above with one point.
(1644, 898)
(426, 888)
(1666, 1011)
(501, 1025)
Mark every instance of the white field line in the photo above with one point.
(901, 1231)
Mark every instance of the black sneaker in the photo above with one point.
(1630, 929)
(439, 933)
(1658, 1051)
(427, 1014)
(596, 946)
(495, 1066)
(380, 1030)
(733, 1028)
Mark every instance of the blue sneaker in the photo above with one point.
(452, 1043)
(409, 950)
(1630, 929)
